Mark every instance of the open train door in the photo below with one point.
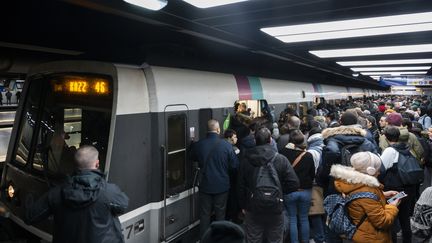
(177, 209)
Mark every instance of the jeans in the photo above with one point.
(211, 203)
(298, 203)
(266, 228)
(318, 228)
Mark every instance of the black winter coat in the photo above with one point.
(335, 139)
(256, 157)
(85, 209)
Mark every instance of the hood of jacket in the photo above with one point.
(402, 148)
(83, 188)
(317, 137)
(349, 180)
(343, 130)
(404, 134)
(260, 155)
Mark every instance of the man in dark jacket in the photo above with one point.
(215, 157)
(85, 208)
(259, 225)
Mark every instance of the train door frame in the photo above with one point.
(174, 193)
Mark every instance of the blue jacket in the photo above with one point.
(335, 139)
(215, 175)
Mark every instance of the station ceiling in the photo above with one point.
(224, 39)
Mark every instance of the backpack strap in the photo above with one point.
(358, 195)
(297, 160)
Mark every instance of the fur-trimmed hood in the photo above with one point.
(343, 130)
(348, 179)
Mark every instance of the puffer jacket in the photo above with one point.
(335, 139)
(376, 228)
(408, 138)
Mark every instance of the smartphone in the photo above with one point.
(397, 196)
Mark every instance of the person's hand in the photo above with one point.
(389, 194)
(396, 202)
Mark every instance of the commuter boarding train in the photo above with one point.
(142, 120)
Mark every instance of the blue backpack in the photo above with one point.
(338, 220)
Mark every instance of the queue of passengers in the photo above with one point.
(283, 182)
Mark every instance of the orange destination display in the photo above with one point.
(80, 85)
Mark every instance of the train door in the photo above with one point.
(177, 207)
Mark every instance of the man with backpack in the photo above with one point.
(403, 173)
(265, 176)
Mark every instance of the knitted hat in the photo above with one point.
(394, 119)
(348, 118)
(224, 231)
(366, 162)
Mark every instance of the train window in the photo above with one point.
(250, 109)
(28, 122)
(67, 122)
(176, 159)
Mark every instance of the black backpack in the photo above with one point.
(347, 151)
(409, 169)
(267, 196)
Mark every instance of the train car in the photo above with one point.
(142, 120)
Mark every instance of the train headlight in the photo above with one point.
(11, 191)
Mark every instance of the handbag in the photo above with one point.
(317, 202)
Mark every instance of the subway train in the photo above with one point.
(142, 119)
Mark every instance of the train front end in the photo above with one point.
(62, 109)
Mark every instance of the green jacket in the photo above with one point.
(408, 138)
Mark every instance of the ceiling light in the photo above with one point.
(212, 3)
(355, 74)
(391, 73)
(149, 4)
(404, 23)
(385, 62)
(371, 51)
(371, 69)
(375, 77)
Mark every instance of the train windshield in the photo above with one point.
(62, 113)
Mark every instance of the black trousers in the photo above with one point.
(210, 203)
(264, 229)
(406, 208)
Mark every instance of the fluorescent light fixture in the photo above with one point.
(391, 73)
(375, 77)
(404, 23)
(385, 62)
(372, 51)
(372, 69)
(355, 74)
(149, 4)
(212, 3)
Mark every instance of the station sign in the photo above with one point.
(406, 80)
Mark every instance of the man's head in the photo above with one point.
(392, 134)
(348, 118)
(213, 126)
(231, 136)
(394, 119)
(262, 136)
(383, 122)
(294, 122)
(87, 158)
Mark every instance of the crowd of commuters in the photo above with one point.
(273, 179)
